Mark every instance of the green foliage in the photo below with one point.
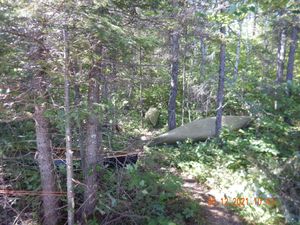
(260, 157)
(134, 68)
(255, 157)
(16, 137)
(145, 194)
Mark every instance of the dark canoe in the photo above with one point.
(110, 160)
(200, 129)
(120, 159)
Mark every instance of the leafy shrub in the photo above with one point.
(145, 196)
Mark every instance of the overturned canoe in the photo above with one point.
(109, 159)
(200, 129)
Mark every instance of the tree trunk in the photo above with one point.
(290, 67)
(79, 124)
(280, 56)
(93, 142)
(203, 57)
(183, 91)
(254, 23)
(141, 87)
(291, 60)
(68, 135)
(45, 161)
(220, 94)
(183, 103)
(174, 79)
(238, 49)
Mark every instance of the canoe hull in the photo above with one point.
(201, 129)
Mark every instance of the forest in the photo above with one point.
(149, 112)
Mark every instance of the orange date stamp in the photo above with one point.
(242, 201)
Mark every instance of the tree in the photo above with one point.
(69, 152)
(93, 137)
(238, 49)
(280, 55)
(40, 83)
(50, 202)
(174, 39)
(114, 60)
(203, 57)
(44, 148)
(220, 93)
(291, 59)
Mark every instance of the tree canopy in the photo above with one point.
(86, 85)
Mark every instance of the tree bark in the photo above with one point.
(291, 60)
(203, 57)
(68, 135)
(220, 94)
(183, 89)
(238, 49)
(79, 124)
(254, 23)
(174, 37)
(280, 56)
(141, 87)
(183, 103)
(45, 161)
(92, 141)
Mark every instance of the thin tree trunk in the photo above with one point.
(92, 141)
(188, 88)
(45, 161)
(174, 79)
(291, 60)
(203, 57)
(184, 79)
(238, 49)
(280, 56)
(220, 94)
(141, 86)
(79, 124)
(183, 92)
(254, 23)
(69, 152)
(290, 67)
(114, 111)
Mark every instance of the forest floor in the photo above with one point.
(214, 212)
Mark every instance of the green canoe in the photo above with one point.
(200, 129)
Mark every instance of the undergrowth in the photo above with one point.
(246, 164)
